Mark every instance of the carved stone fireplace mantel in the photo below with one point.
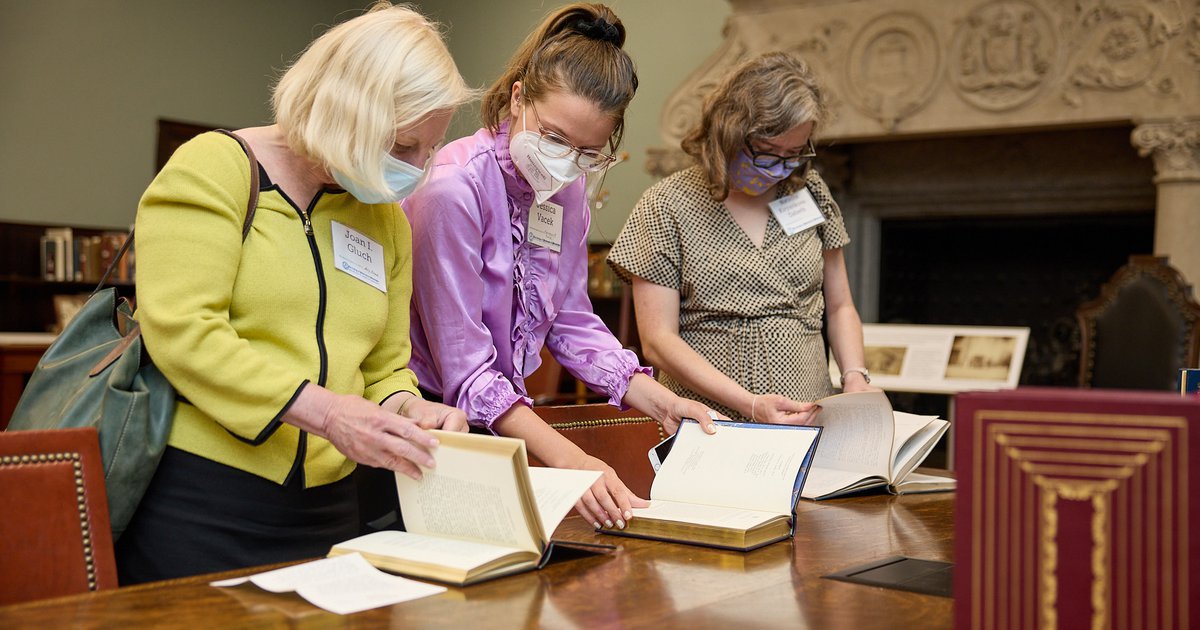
(907, 69)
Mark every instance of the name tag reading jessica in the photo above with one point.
(797, 212)
(545, 225)
(358, 256)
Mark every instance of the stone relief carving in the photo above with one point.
(883, 64)
(1193, 43)
(892, 67)
(1175, 146)
(683, 107)
(1119, 47)
(1001, 54)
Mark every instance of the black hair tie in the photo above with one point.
(600, 29)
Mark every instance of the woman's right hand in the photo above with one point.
(608, 502)
(776, 409)
(362, 430)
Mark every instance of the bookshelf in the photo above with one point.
(27, 298)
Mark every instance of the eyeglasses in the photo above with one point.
(762, 159)
(553, 145)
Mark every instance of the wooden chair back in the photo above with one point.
(54, 532)
(620, 438)
(1141, 330)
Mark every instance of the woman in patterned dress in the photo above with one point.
(736, 261)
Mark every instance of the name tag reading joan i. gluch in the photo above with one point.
(358, 255)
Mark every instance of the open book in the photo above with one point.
(480, 514)
(867, 445)
(735, 489)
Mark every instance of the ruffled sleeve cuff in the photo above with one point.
(483, 408)
(616, 383)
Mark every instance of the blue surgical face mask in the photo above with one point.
(401, 177)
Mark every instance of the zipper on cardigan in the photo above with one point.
(307, 223)
(302, 445)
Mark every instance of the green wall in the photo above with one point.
(84, 82)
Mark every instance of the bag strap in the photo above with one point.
(251, 206)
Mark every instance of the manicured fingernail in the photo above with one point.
(607, 523)
(596, 525)
(620, 524)
(628, 515)
(430, 463)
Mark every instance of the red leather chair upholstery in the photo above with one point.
(54, 533)
(620, 438)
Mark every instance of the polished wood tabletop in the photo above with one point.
(644, 584)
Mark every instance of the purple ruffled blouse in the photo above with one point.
(485, 300)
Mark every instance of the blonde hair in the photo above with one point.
(342, 100)
(577, 48)
(764, 97)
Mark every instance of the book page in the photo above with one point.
(472, 494)
(858, 435)
(915, 483)
(343, 585)
(748, 467)
(699, 514)
(557, 490)
(823, 481)
(426, 549)
(915, 437)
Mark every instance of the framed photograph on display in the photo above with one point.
(941, 359)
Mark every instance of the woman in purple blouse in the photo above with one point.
(500, 250)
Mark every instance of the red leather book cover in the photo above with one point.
(1074, 509)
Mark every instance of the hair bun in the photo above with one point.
(601, 29)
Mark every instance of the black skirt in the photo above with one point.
(199, 516)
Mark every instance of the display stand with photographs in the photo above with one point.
(941, 359)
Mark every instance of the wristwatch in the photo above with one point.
(861, 370)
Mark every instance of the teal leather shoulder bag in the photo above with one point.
(96, 373)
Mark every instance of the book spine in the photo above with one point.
(48, 256)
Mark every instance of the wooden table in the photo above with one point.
(646, 584)
(19, 354)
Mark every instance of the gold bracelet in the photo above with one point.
(753, 404)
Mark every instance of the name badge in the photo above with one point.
(546, 225)
(358, 256)
(797, 212)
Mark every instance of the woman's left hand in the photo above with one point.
(855, 382)
(434, 415)
(682, 408)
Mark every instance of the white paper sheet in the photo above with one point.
(342, 585)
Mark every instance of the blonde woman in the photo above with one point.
(500, 250)
(290, 364)
(735, 261)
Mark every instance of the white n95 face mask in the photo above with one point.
(401, 178)
(547, 175)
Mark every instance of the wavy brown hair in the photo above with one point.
(577, 48)
(764, 97)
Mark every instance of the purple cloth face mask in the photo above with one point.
(754, 180)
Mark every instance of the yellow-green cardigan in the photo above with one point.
(238, 328)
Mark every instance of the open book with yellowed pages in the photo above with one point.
(867, 445)
(734, 489)
(481, 513)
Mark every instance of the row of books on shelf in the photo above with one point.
(67, 256)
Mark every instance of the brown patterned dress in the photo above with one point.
(753, 313)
